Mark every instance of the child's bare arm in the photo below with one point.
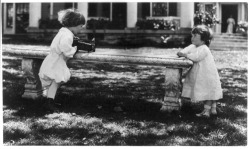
(185, 51)
(66, 46)
(181, 54)
(198, 55)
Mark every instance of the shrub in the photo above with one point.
(97, 24)
(104, 24)
(49, 24)
(140, 24)
(156, 24)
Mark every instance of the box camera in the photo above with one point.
(84, 46)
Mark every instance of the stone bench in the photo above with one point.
(32, 57)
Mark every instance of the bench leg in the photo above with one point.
(33, 87)
(173, 88)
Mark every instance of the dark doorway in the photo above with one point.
(227, 10)
(119, 15)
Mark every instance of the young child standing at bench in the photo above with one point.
(202, 82)
(54, 70)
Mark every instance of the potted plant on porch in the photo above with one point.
(242, 27)
(205, 17)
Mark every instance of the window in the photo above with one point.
(160, 9)
(10, 15)
(205, 7)
(143, 10)
(246, 9)
(208, 7)
(99, 10)
(172, 9)
(22, 17)
(156, 10)
(3, 16)
(59, 6)
(51, 13)
(45, 10)
(196, 6)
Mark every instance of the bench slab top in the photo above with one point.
(148, 57)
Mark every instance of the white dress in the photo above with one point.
(230, 27)
(54, 65)
(202, 81)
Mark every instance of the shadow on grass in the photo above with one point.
(95, 91)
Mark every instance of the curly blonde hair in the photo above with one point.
(70, 17)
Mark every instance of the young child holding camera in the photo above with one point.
(54, 70)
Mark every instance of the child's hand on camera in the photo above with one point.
(180, 54)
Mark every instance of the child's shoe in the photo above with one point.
(50, 106)
(205, 112)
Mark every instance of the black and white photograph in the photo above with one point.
(96, 73)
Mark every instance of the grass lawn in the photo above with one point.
(88, 116)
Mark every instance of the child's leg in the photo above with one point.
(45, 85)
(52, 90)
(208, 103)
(207, 108)
(213, 108)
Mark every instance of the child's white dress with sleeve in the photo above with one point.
(202, 81)
(54, 65)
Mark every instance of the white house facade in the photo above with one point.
(17, 17)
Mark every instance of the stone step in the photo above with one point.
(230, 39)
(213, 47)
(228, 48)
(229, 36)
(229, 43)
(226, 34)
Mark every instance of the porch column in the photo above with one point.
(242, 12)
(35, 14)
(187, 14)
(51, 10)
(131, 14)
(83, 8)
(217, 13)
